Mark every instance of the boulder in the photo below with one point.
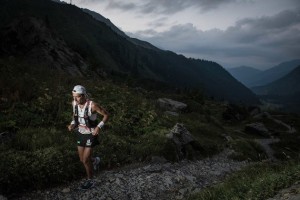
(235, 112)
(171, 105)
(257, 128)
(181, 138)
(2, 197)
(172, 113)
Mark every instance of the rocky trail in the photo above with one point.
(156, 180)
(160, 179)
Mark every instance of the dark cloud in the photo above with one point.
(120, 5)
(174, 6)
(90, 1)
(263, 39)
(160, 6)
(210, 4)
(110, 4)
(161, 22)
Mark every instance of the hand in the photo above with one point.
(71, 127)
(96, 131)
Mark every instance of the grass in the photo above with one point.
(256, 182)
(247, 149)
(136, 131)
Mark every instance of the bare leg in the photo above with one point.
(85, 157)
(80, 152)
(87, 162)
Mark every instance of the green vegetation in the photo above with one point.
(37, 151)
(246, 149)
(35, 112)
(260, 181)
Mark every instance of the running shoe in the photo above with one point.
(89, 183)
(96, 163)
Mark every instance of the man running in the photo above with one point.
(86, 129)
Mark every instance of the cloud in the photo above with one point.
(210, 4)
(158, 6)
(265, 39)
(160, 22)
(121, 5)
(174, 6)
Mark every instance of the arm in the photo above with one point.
(72, 125)
(97, 108)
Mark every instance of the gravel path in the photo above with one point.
(159, 181)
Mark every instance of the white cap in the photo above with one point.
(79, 89)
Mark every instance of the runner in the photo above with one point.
(86, 128)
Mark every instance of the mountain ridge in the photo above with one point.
(250, 77)
(244, 74)
(287, 85)
(105, 50)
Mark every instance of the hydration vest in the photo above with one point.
(88, 122)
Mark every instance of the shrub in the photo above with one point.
(247, 149)
(20, 170)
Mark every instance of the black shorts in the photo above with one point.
(86, 140)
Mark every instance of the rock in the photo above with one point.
(257, 128)
(158, 159)
(172, 113)
(262, 115)
(289, 128)
(235, 112)
(2, 197)
(254, 110)
(171, 105)
(265, 143)
(291, 193)
(228, 138)
(180, 135)
(181, 138)
(152, 181)
(66, 190)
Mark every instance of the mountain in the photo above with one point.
(251, 77)
(135, 41)
(276, 72)
(100, 18)
(107, 52)
(283, 93)
(287, 85)
(30, 38)
(244, 74)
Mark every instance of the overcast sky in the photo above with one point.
(257, 33)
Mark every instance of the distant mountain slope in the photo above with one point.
(244, 74)
(100, 18)
(135, 41)
(109, 52)
(276, 72)
(287, 85)
(250, 77)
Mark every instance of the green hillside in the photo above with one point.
(105, 50)
(37, 151)
(35, 107)
(35, 112)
